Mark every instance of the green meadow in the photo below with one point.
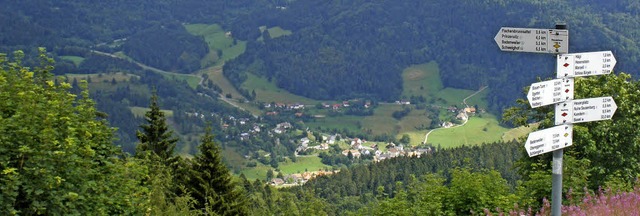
(268, 91)
(478, 130)
(77, 60)
(222, 45)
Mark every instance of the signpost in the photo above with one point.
(550, 92)
(533, 40)
(559, 92)
(549, 140)
(585, 64)
(585, 110)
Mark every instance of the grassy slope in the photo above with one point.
(140, 111)
(104, 77)
(274, 32)
(343, 122)
(268, 92)
(423, 79)
(191, 80)
(518, 132)
(310, 163)
(217, 40)
(75, 59)
(472, 133)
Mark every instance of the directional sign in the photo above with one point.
(533, 40)
(585, 110)
(550, 92)
(548, 140)
(585, 64)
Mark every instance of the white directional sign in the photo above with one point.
(548, 140)
(585, 64)
(550, 92)
(533, 40)
(585, 110)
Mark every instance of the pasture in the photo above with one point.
(140, 111)
(77, 60)
(478, 130)
(102, 77)
(222, 45)
(274, 32)
(268, 92)
(421, 80)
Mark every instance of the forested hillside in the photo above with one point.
(338, 49)
(107, 26)
(345, 49)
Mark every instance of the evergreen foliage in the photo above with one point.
(212, 186)
(156, 139)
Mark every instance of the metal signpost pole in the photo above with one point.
(556, 174)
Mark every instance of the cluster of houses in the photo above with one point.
(358, 148)
(276, 107)
(403, 102)
(399, 150)
(345, 104)
(293, 106)
(463, 115)
(304, 143)
(299, 178)
(393, 150)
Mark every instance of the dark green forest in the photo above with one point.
(338, 49)
(349, 49)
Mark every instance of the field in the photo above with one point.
(518, 132)
(268, 92)
(191, 80)
(423, 79)
(480, 99)
(310, 163)
(102, 77)
(380, 123)
(454, 96)
(222, 46)
(75, 59)
(478, 130)
(216, 76)
(416, 136)
(140, 111)
(351, 123)
(274, 32)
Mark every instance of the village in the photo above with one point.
(308, 144)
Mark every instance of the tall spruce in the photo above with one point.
(156, 139)
(211, 184)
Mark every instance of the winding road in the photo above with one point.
(464, 101)
(147, 67)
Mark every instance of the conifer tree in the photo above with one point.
(211, 183)
(156, 138)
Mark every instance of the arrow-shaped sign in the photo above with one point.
(533, 40)
(585, 64)
(550, 92)
(548, 140)
(585, 110)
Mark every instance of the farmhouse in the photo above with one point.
(470, 110)
(276, 181)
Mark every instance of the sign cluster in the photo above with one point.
(560, 91)
(533, 40)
